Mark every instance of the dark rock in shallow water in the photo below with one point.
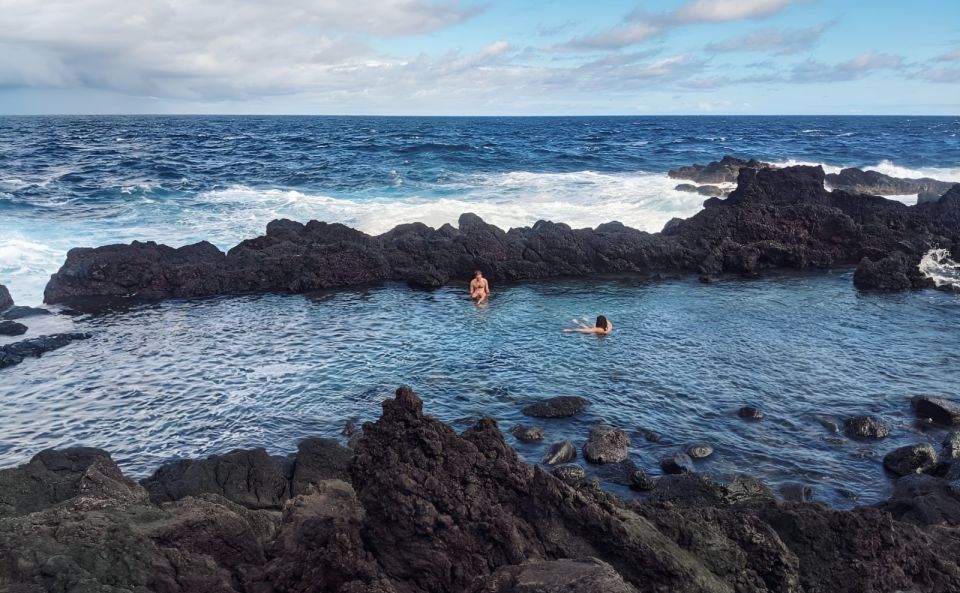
(951, 446)
(563, 406)
(247, 477)
(858, 181)
(11, 354)
(561, 452)
(12, 328)
(649, 435)
(678, 463)
(691, 489)
(924, 500)
(703, 190)
(606, 444)
(912, 459)
(796, 492)
(6, 301)
(866, 427)
(319, 460)
(555, 576)
(750, 413)
(571, 473)
(937, 409)
(641, 481)
(699, 451)
(527, 433)
(20, 312)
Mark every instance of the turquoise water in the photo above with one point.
(192, 378)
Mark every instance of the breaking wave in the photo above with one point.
(937, 265)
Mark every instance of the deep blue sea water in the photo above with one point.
(200, 377)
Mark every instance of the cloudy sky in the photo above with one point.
(480, 56)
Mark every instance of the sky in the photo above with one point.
(480, 57)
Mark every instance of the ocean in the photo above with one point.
(193, 378)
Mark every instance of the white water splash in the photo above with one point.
(937, 265)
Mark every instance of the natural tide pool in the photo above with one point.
(193, 378)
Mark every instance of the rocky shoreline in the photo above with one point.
(411, 506)
(775, 218)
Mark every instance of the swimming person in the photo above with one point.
(602, 327)
(479, 287)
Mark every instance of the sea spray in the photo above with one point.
(937, 265)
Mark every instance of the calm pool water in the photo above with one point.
(193, 378)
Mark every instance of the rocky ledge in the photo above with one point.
(415, 507)
(776, 218)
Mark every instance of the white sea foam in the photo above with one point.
(937, 265)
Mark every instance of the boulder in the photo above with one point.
(250, 478)
(563, 406)
(6, 301)
(750, 413)
(561, 452)
(527, 433)
(12, 328)
(865, 427)
(924, 500)
(937, 409)
(21, 312)
(319, 460)
(11, 354)
(896, 271)
(570, 473)
(912, 459)
(678, 463)
(555, 576)
(699, 451)
(606, 444)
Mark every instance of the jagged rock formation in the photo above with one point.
(11, 354)
(776, 218)
(423, 509)
(726, 170)
(858, 181)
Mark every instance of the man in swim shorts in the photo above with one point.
(479, 288)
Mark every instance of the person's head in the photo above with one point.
(478, 274)
(602, 322)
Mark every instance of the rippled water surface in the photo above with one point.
(200, 377)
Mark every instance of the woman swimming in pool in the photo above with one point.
(602, 327)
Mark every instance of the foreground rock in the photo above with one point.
(561, 452)
(12, 328)
(897, 271)
(936, 409)
(866, 427)
(19, 312)
(527, 433)
(11, 354)
(428, 510)
(606, 444)
(912, 459)
(776, 218)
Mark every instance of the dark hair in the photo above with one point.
(602, 322)
(477, 273)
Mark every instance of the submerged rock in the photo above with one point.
(699, 451)
(678, 463)
(912, 459)
(649, 435)
(527, 433)
(11, 354)
(561, 452)
(12, 328)
(563, 406)
(750, 413)
(937, 409)
(21, 312)
(866, 427)
(606, 444)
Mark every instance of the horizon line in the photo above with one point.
(398, 115)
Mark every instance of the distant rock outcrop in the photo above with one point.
(858, 181)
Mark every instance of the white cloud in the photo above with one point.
(712, 11)
(778, 41)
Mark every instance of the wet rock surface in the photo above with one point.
(606, 444)
(20, 312)
(912, 459)
(12, 354)
(425, 509)
(866, 427)
(937, 409)
(776, 218)
(562, 406)
(750, 413)
(858, 181)
(527, 433)
(561, 452)
(12, 328)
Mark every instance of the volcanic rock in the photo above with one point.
(725, 170)
(319, 460)
(555, 576)
(951, 446)
(21, 312)
(912, 459)
(866, 427)
(561, 452)
(750, 413)
(571, 473)
(557, 407)
(606, 444)
(858, 181)
(699, 451)
(678, 463)
(527, 433)
(897, 271)
(11, 354)
(12, 328)
(6, 301)
(937, 409)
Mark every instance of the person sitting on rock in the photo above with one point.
(479, 288)
(602, 327)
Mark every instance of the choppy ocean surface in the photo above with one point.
(192, 378)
